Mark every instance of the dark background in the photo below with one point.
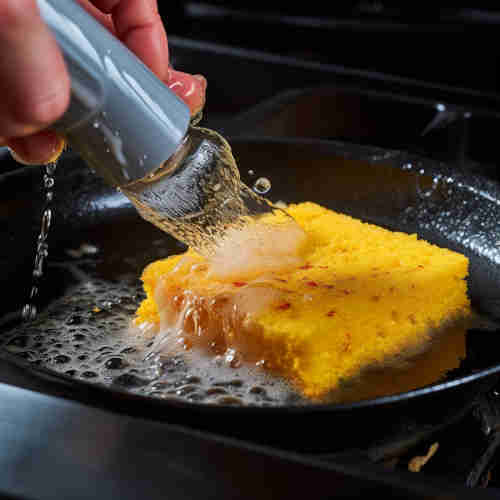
(455, 46)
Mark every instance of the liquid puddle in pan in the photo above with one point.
(86, 335)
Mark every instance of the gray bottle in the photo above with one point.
(122, 120)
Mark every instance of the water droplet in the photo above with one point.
(96, 124)
(262, 185)
(48, 181)
(251, 172)
(29, 312)
(50, 168)
(425, 189)
(46, 221)
(74, 319)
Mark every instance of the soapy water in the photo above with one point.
(87, 335)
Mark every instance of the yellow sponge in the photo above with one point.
(361, 296)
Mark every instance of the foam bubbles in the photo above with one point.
(86, 335)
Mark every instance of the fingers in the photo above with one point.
(32, 96)
(138, 24)
(102, 17)
(190, 88)
(43, 147)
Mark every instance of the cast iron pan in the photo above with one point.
(446, 206)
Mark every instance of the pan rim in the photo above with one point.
(62, 380)
(389, 156)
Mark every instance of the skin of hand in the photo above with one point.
(34, 82)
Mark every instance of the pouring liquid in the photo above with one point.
(197, 195)
(29, 310)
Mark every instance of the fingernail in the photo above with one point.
(202, 80)
(57, 151)
(44, 147)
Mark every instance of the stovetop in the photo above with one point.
(445, 76)
(455, 46)
(54, 448)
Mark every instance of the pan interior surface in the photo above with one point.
(92, 288)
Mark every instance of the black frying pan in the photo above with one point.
(458, 210)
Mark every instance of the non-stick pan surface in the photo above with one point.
(451, 207)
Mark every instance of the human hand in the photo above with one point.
(34, 82)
